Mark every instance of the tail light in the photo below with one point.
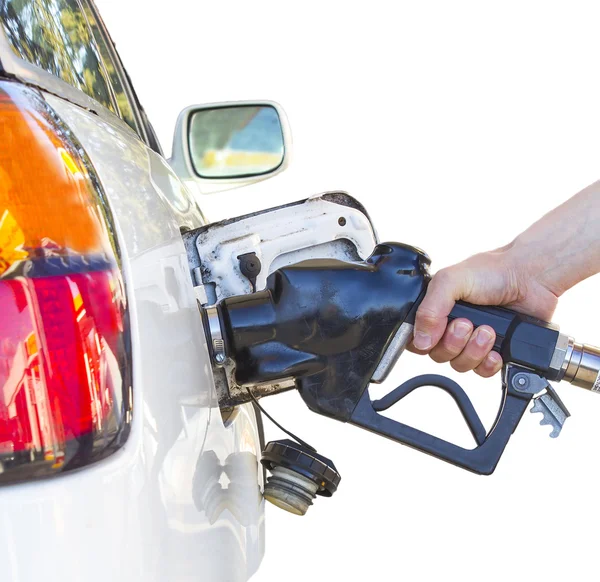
(65, 397)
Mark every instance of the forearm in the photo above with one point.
(563, 247)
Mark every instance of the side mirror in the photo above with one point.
(221, 146)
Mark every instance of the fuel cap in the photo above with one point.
(298, 474)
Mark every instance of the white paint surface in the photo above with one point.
(161, 509)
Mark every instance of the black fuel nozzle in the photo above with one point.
(325, 323)
(333, 327)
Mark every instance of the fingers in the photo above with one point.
(490, 366)
(453, 342)
(478, 347)
(432, 316)
(468, 349)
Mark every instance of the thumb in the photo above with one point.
(431, 318)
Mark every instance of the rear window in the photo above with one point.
(121, 98)
(55, 35)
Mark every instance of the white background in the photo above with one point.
(457, 124)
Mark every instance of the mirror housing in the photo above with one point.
(221, 146)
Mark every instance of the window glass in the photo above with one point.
(55, 36)
(123, 102)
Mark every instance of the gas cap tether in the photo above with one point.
(298, 474)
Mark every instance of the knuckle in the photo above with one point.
(426, 318)
(444, 277)
(473, 355)
(490, 365)
(452, 346)
(483, 371)
(460, 366)
(439, 356)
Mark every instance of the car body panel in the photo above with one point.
(159, 509)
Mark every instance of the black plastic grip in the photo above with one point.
(520, 339)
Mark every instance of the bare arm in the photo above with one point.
(528, 275)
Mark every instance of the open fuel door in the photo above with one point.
(235, 257)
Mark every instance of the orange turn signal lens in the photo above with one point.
(64, 342)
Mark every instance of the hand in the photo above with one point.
(503, 277)
(529, 275)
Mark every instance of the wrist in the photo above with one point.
(514, 261)
(563, 247)
(531, 286)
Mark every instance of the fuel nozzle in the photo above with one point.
(333, 327)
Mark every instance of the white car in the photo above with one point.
(115, 460)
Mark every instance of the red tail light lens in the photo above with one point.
(65, 397)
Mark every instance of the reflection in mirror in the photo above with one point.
(237, 141)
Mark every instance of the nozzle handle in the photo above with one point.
(520, 339)
(489, 446)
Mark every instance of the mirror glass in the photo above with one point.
(237, 141)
